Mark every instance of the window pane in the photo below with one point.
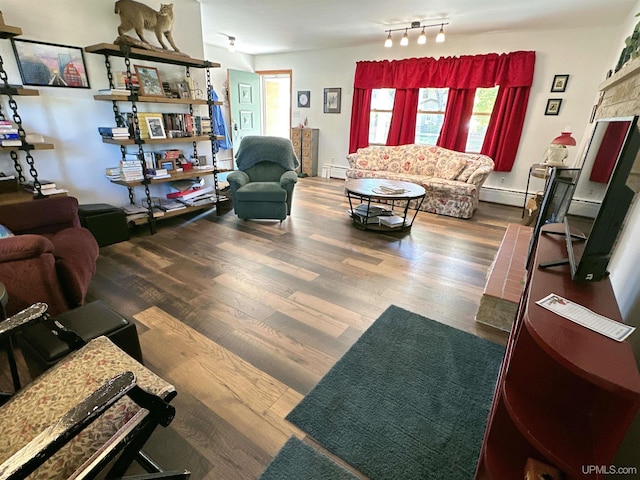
(379, 127)
(432, 100)
(482, 108)
(382, 98)
(431, 106)
(380, 119)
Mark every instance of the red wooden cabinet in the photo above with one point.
(565, 395)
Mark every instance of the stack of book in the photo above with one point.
(9, 135)
(201, 125)
(370, 214)
(191, 193)
(114, 91)
(131, 170)
(114, 132)
(121, 82)
(392, 221)
(47, 188)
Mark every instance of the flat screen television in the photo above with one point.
(589, 256)
(560, 186)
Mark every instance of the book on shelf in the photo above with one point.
(369, 220)
(391, 221)
(53, 192)
(189, 194)
(4, 135)
(389, 190)
(44, 185)
(11, 143)
(371, 210)
(198, 201)
(171, 205)
(114, 91)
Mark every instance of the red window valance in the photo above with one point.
(513, 69)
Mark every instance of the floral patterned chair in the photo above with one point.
(96, 408)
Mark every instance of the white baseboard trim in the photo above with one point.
(580, 207)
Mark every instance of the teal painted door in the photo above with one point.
(244, 104)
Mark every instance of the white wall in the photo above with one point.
(585, 54)
(70, 117)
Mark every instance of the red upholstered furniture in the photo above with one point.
(51, 258)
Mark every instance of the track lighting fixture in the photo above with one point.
(422, 39)
(232, 44)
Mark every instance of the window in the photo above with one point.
(380, 119)
(482, 108)
(431, 106)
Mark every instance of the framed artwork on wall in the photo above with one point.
(50, 64)
(304, 99)
(332, 100)
(553, 106)
(559, 83)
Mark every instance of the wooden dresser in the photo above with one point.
(565, 395)
(305, 144)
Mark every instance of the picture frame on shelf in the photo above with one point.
(183, 90)
(553, 106)
(149, 81)
(332, 100)
(304, 99)
(156, 127)
(168, 164)
(559, 83)
(50, 64)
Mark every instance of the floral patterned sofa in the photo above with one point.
(452, 179)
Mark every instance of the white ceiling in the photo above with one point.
(272, 26)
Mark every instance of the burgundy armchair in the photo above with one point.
(50, 258)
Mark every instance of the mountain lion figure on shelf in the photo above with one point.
(138, 16)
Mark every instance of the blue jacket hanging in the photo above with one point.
(219, 126)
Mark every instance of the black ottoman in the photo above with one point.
(107, 223)
(42, 349)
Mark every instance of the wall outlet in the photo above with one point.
(502, 179)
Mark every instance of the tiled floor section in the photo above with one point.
(505, 280)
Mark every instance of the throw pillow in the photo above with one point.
(5, 232)
(448, 167)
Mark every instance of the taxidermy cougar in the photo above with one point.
(138, 16)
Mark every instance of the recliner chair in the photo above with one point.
(262, 187)
(50, 258)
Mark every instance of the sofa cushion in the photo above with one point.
(449, 166)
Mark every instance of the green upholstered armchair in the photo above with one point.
(262, 187)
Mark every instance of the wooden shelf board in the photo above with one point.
(554, 431)
(174, 176)
(151, 55)
(151, 141)
(23, 92)
(7, 31)
(30, 146)
(173, 213)
(148, 99)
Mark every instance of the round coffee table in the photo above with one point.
(366, 216)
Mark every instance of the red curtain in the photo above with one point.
(402, 130)
(513, 72)
(608, 151)
(505, 127)
(360, 119)
(455, 129)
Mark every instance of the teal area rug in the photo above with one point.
(297, 460)
(409, 400)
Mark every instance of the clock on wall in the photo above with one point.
(304, 99)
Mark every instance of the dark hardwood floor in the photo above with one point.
(244, 317)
